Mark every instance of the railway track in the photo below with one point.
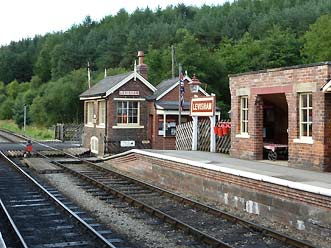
(34, 216)
(208, 225)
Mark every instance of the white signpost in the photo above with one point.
(203, 106)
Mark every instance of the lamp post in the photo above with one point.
(194, 84)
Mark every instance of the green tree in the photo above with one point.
(317, 41)
(6, 109)
(37, 111)
(12, 89)
(18, 111)
(281, 48)
(245, 55)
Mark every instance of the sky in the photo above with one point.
(27, 18)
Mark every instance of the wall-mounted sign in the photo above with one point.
(128, 143)
(203, 106)
(129, 93)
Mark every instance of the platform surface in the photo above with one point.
(41, 166)
(311, 180)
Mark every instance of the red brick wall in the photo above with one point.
(284, 80)
(93, 131)
(114, 135)
(168, 143)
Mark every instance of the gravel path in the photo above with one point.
(139, 233)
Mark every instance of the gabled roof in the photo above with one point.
(163, 87)
(168, 85)
(108, 85)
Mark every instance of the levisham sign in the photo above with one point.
(203, 106)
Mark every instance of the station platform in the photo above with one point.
(311, 181)
(42, 166)
(294, 197)
(275, 172)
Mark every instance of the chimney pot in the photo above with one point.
(141, 57)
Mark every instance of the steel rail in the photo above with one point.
(13, 226)
(153, 211)
(216, 212)
(69, 212)
(2, 242)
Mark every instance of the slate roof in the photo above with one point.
(172, 105)
(162, 87)
(104, 85)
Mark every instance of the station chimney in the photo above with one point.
(142, 68)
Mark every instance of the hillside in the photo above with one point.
(47, 73)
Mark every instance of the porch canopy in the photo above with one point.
(326, 87)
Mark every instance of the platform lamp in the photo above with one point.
(194, 84)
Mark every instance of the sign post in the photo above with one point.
(203, 106)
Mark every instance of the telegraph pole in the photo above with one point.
(172, 61)
(24, 119)
(179, 94)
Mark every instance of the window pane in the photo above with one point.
(130, 119)
(304, 115)
(304, 101)
(310, 100)
(304, 130)
(310, 119)
(310, 128)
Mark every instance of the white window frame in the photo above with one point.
(89, 113)
(307, 108)
(101, 113)
(129, 125)
(243, 117)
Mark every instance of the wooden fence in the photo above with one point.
(69, 132)
(184, 137)
(184, 133)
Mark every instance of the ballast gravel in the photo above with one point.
(143, 235)
(134, 229)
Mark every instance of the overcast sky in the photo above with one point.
(26, 18)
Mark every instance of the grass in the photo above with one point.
(39, 133)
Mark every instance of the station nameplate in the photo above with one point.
(129, 93)
(203, 106)
(127, 143)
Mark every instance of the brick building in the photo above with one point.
(126, 111)
(289, 106)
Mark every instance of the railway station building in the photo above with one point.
(287, 108)
(127, 111)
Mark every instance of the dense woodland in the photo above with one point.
(47, 73)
